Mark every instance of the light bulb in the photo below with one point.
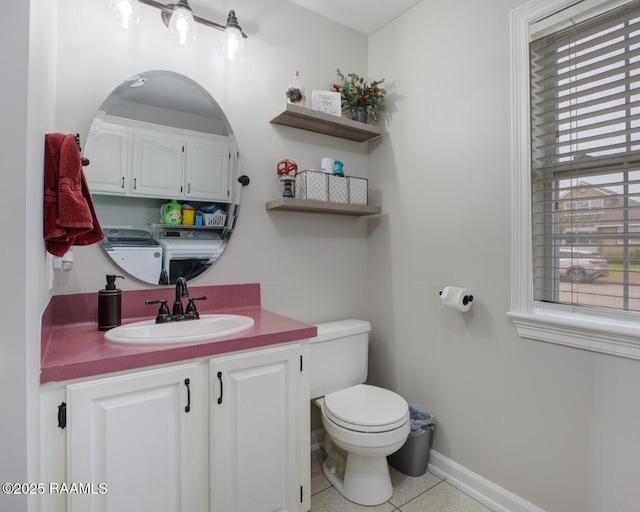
(232, 46)
(125, 12)
(182, 25)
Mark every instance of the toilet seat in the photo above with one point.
(366, 408)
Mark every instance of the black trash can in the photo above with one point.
(412, 459)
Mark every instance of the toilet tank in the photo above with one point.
(339, 356)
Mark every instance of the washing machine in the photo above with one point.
(135, 252)
(189, 257)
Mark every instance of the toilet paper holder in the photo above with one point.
(465, 300)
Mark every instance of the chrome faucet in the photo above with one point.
(181, 291)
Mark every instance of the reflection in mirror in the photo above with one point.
(163, 176)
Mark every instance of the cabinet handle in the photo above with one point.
(62, 415)
(188, 407)
(135, 183)
(220, 379)
(188, 188)
(122, 182)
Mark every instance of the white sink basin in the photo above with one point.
(208, 327)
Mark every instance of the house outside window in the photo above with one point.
(633, 229)
(593, 204)
(576, 169)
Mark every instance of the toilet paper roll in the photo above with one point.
(458, 298)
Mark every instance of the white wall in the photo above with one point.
(556, 426)
(311, 267)
(27, 37)
(13, 366)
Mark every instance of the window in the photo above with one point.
(576, 272)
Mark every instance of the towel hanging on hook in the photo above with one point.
(83, 160)
(69, 217)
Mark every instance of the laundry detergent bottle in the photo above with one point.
(171, 213)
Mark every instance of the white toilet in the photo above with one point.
(366, 421)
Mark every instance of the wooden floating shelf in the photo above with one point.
(289, 204)
(319, 122)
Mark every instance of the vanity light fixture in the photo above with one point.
(232, 46)
(181, 21)
(125, 12)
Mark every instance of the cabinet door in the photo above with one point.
(157, 165)
(133, 433)
(255, 431)
(53, 446)
(207, 170)
(108, 152)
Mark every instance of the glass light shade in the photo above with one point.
(125, 12)
(232, 46)
(182, 25)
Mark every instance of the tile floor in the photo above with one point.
(427, 493)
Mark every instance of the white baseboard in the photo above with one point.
(489, 494)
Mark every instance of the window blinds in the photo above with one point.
(585, 136)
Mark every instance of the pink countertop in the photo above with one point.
(73, 347)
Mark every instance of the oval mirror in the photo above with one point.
(163, 169)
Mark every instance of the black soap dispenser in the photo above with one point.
(109, 305)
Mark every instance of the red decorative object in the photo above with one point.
(287, 168)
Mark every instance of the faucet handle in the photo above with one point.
(191, 307)
(163, 312)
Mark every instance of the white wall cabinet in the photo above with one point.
(207, 170)
(157, 165)
(108, 168)
(139, 159)
(131, 432)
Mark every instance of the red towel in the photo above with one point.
(69, 215)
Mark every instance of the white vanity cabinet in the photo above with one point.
(131, 432)
(255, 431)
(135, 442)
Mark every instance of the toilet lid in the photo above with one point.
(366, 408)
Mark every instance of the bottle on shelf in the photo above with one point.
(295, 91)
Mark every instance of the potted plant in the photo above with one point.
(360, 99)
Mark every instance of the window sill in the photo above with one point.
(613, 336)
